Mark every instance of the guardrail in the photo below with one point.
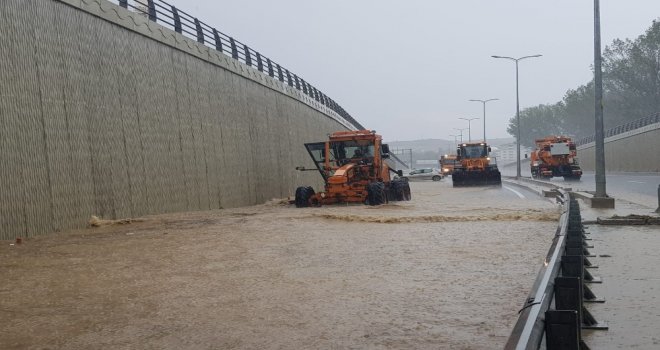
(619, 129)
(554, 309)
(187, 25)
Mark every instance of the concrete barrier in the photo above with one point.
(105, 113)
(634, 151)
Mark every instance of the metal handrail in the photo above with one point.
(161, 12)
(620, 129)
(529, 330)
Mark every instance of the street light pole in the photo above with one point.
(461, 131)
(598, 91)
(517, 109)
(484, 103)
(469, 128)
(455, 142)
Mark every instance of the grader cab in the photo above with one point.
(353, 167)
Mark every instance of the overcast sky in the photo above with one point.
(408, 68)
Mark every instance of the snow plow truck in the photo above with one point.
(475, 167)
(555, 156)
(353, 167)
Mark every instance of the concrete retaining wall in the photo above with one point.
(105, 113)
(635, 151)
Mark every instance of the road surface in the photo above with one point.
(639, 188)
(449, 269)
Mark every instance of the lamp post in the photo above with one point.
(455, 136)
(455, 143)
(461, 133)
(598, 92)
(469, 128)
(517, 109)
(484, 103)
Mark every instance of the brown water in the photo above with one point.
(448, 270)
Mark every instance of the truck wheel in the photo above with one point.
(303, 194)
(406, 191)
(396, 190)
(376, 193)
(436, 178)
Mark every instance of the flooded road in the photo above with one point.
(447, 270)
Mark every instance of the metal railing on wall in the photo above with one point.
(187, 25)
(620, 129)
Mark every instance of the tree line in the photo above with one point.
(631, 90)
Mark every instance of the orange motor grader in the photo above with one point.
(352, 164)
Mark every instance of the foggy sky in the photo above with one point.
(408, 68)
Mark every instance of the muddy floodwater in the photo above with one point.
(448, 270)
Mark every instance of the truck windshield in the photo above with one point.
(447, 161)
(341, 152)
(474, 151)
(344, 151)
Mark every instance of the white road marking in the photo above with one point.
(637, 182)
(520, 195)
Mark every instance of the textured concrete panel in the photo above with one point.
(105, 113)
(637, 152)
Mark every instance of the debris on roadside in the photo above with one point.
(631, 219)
(95, 221)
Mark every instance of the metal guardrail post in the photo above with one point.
(288, 78)
(200, 33)
(297, 80)
(177, 20)
(280, 75)
(270, 68)
(260, 63)
(248, 58)
(218, 42)
(304, 86)
(562, 329)
(152, 10)
(234, 49)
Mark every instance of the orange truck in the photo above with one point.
(555, 156)
(353, 167)
(475, 166)
(447, 163)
